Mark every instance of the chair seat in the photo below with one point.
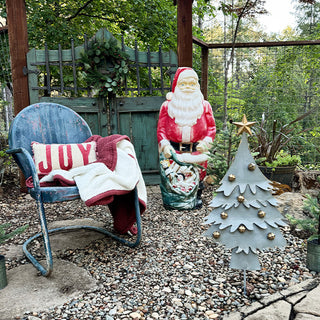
(56, 194)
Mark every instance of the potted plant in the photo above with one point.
(282, 168)
(4, 237)
(311, 225)
(274, 162)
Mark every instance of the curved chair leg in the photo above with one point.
(45, 235)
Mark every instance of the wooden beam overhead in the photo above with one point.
(203, 44)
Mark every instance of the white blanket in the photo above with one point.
(97, 183)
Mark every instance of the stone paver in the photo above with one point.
(270, 299)
(299, 302)
(233, 316)
(37, 293)
(252, 308)
(296, 297)
(279, 310)
(302, 286)
(310, 304)
(305, 316)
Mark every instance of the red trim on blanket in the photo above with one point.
(104, 197)
(106, 148)
(63, 180)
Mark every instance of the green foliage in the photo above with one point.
(311, 223)
(5, 159)
(284, 159)
(5, 67)
(307, 16)
(105, 66)
(147, 22)
(5, 236)
(221, 153)
(270, 141)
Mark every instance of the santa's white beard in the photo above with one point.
(186, 109)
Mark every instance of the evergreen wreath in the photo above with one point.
(105, 66)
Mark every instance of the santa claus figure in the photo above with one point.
(186, 125)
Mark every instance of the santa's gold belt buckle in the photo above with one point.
(183, 146)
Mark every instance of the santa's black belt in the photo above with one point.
(184, 147)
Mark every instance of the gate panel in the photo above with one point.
(137, 118)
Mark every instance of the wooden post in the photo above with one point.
(204, 71)
(184, 23)
(18, 43)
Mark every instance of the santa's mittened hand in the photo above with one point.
(167, 151)
(202, 146)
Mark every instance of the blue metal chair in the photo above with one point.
(52, 123)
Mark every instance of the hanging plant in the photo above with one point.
(105, 66)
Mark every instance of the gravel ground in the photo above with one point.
(175, 273)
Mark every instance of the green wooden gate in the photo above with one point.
(135, 114)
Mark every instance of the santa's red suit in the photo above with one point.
(185, 134)
(168, 130)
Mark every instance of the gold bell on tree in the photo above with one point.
(261, 214)
(271, 236)
(224, 215)
(216, 234)
(231, 177)
(242, 228)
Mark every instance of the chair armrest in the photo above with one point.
(29, 162)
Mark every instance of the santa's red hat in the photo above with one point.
(181, 72)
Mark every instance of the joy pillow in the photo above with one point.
(48, 157)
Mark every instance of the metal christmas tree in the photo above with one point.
(244, 216)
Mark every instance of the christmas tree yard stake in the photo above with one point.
(244, 216)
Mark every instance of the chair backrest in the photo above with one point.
(45, 123)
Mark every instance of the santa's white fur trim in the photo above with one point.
(169, 96)
(189, 73)
(192, 158)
